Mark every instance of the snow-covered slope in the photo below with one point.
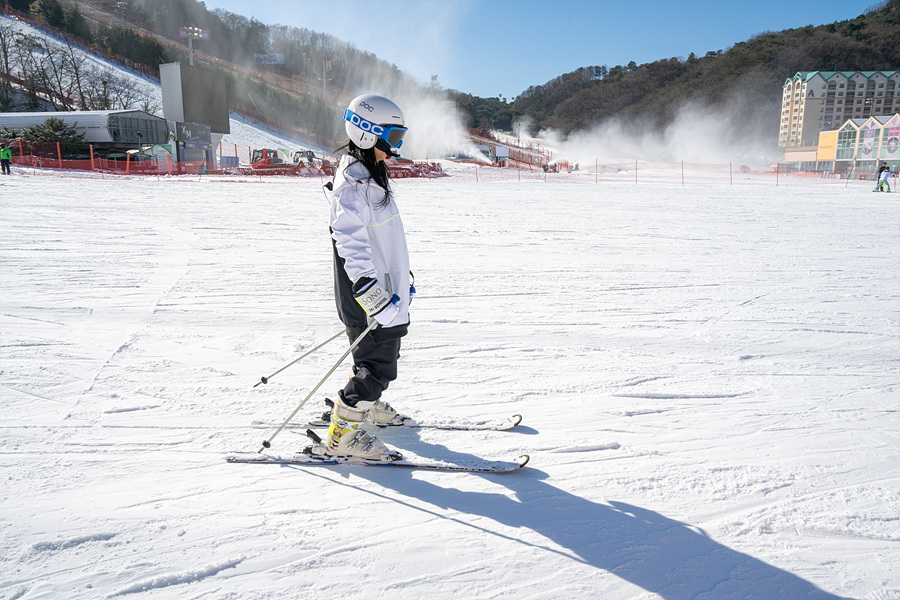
(243, 134)
(708, 375)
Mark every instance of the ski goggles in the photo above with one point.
(392, 134)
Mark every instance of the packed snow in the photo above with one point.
(708, 374)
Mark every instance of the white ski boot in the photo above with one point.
(378, 413)
(345, 437)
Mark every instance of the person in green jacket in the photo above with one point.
(5, 158)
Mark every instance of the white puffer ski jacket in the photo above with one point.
(369, 239)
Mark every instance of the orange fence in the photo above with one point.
(55, 157)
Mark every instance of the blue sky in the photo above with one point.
(501, 47)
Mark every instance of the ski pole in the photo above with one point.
(296, 360)
(268, 442)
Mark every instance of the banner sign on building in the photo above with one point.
(269, 59)
(891, 138)
(867, 149)
(827, 147)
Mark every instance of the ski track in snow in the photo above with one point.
(180, 578)
(72, 542)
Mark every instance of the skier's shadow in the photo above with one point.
(660, 555)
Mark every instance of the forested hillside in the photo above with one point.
(746, 77)
(146, 32)
(741, 80)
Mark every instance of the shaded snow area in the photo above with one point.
(708, 373)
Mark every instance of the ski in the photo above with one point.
(506, 424)
(306, 457)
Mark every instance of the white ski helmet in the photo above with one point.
(372, 121)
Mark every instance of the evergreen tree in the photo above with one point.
(54, 130)
(76, 24)
(53, 13)
(20, 5)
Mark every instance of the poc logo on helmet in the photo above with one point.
(366, 125)
(367, 106)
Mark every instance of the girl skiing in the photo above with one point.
(371, 274)
(883, 173)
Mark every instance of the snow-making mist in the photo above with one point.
(736, 130)
(698, 134)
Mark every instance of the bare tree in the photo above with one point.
(7, 38)
(60, 74)
(78, 68)
(54, 75)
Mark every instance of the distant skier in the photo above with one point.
(884, 172)
(5, 159)
(372, 277)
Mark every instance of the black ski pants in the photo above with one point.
(375, 358)
(374, 366)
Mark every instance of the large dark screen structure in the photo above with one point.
(202, 99)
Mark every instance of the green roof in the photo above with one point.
(805, 76)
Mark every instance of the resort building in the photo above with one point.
(857, 146)
(814, 101)
(861, 145)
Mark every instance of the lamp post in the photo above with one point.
(192, 33)
(121, 6)
(326, 66)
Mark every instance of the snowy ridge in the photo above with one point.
(243, 134)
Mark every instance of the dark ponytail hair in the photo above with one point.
(378, 173)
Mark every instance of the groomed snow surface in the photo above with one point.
(709, 375)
